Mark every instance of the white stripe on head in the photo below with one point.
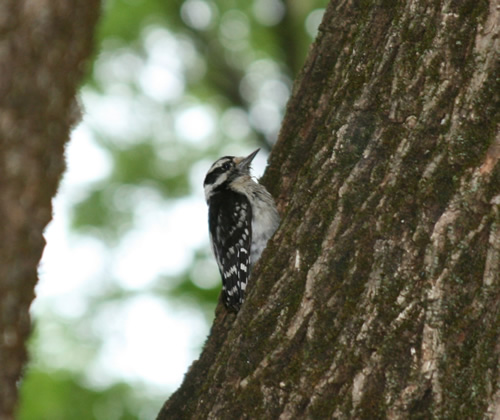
(211, 184)
(209, 188)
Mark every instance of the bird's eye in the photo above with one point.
(226, 166)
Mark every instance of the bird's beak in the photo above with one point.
(244, 163)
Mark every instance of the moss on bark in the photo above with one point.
(378, 296)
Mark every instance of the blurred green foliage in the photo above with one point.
(173, 85)
(60, 395)
(235, 58)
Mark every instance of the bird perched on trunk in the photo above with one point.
(242, 216)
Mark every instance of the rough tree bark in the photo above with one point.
(379, 296)
(43, 45)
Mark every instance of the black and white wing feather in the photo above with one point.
(230, 224)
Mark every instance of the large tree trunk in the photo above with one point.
(42, 51)
(379, 296)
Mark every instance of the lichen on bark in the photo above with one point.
(378, 295)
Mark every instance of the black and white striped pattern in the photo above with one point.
(230, 224)
(242, 217)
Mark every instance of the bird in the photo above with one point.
(242, 216)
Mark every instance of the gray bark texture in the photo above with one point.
(379, 295)
(43, 46)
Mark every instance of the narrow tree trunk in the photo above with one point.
(379, 296)
(43, 45)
